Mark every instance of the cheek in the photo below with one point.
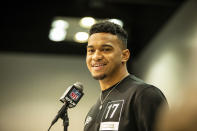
(117, 61)
(115, 58)
(88, 61)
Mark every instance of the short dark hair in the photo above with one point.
(112, 28)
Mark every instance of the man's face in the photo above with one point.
(104, 55)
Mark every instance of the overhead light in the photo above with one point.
(81, 37)
(66, 28)
(58, 31)
(57, 34)
(60, 24)
(116, 21)
(87, 22)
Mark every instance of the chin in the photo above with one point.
(99, 77)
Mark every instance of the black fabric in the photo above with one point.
(131, 106)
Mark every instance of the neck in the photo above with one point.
(112, 80)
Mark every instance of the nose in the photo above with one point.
(97, 55)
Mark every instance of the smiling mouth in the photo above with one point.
(98, 67)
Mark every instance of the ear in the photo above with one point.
(125, 55)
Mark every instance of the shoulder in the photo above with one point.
(143, 90)
(149, 96)
(132, 82)
(150, 93)
(143, 87)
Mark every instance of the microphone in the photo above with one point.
(70, 98)
(72, 95)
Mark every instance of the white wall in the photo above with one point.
(31, 86)
(170, 62)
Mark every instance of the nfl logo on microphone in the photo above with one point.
(75, 94)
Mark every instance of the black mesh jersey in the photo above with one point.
(131, 106)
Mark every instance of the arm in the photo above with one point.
(147, 103)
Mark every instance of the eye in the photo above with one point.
(107, 49)
(90, 50)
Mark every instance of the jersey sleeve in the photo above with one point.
(146, 106)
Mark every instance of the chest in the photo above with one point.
(114, 115)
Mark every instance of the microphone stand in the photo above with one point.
(64, 117)
(63, 114)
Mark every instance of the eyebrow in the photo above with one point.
(104, 45)
(89, 46)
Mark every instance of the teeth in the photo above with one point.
(98, 65)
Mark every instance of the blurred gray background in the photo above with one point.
(35, 72)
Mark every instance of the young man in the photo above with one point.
(126, 102)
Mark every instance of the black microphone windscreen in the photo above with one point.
(79, 85)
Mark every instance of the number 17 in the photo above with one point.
(113, 107)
